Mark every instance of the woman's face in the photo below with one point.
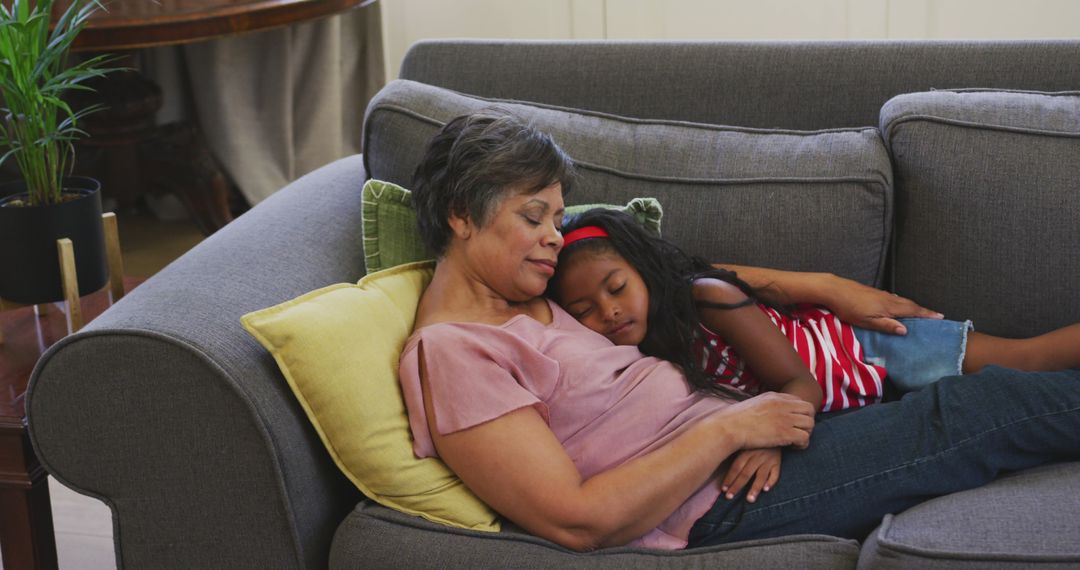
(516, 251)
(606, 294)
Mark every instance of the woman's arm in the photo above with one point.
(767, 352)
(756, 340)
(852, 301)
(515, 464)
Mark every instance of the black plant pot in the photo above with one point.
(29, 262)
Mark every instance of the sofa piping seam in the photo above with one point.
(886, 543)
(870, 179)
(544, 543)
(892, 124)
(638, 121)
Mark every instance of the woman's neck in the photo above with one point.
(456, 296)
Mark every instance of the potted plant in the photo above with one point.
(37, 128)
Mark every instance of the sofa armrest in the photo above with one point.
(165, 409)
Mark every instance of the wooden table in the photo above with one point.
(131, 24)
(140, 155)
(26, 527)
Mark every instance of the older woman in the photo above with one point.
(590, 444)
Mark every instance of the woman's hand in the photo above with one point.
(870, 308)
(858, 304)
(770, 419)
(763, 465)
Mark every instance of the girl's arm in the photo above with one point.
(757, 341)
(515, 464)
(852, 301)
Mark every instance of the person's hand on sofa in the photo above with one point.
(873, 309)
(762, 465)
(858, 304)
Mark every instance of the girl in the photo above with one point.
(637, 289)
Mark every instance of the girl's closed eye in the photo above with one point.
(606, 294)
(581, 314)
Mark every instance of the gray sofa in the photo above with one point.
(856, 158)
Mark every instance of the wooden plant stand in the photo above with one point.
(71, 305)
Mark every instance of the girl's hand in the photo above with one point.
(763, 465)
(870, 308)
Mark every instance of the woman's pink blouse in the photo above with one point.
(606, 404)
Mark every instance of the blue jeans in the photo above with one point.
(956, 434)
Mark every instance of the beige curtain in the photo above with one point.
(277, 104)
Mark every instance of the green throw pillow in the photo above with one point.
(391, 239)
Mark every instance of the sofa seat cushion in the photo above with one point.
(1028, 519)
(375, 537)
(986, 181)
(803, 200)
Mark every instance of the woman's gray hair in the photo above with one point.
(473, 162)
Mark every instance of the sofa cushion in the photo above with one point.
(804, 200)
(391, 238)
(338, 348)
(1009, 162)
(389, 224)
(1024, 520)
(375, 537)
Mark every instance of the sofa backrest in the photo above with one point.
(798, 200)
(766, 84)
(987, 223)
(828, 85)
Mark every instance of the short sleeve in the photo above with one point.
(476, 373)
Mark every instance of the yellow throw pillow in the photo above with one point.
(338, 348)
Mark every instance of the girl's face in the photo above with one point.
(606, 294)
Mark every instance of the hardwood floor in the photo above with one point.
(83, 527)
(149, 244)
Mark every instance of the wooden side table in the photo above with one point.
(26, 527)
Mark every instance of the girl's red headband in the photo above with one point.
(584, 233)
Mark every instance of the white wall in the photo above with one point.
(406, 21)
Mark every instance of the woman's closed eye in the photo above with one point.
(618, 289)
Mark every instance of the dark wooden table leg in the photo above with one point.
(181, 163)
(26, 526)
(130, 102)
(27, 538)
(140, 156)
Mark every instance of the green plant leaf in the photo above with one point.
(38, 125)
(7, 155)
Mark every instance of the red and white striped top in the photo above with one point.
(826, 345)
